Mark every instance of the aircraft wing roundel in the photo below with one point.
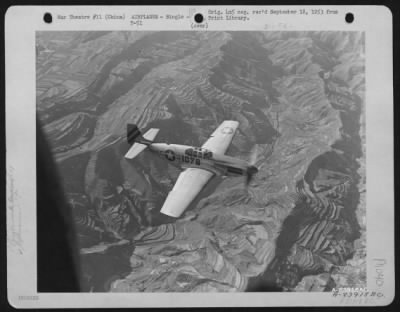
(221, 138)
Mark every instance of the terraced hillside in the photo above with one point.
(299, 98)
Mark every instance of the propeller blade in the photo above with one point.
(249, 177)
(254, 154)
(251, 171)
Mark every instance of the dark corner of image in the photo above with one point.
(57, 256)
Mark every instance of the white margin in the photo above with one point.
(21, 23)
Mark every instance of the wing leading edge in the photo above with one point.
(188, 185)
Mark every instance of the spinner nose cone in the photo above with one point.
(252, 170)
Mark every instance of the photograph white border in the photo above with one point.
(21, 24)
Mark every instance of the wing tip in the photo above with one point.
(233, 121)
(169, 213)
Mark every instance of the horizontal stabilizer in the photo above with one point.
(135, 150)
(151, 134)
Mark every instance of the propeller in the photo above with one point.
(253, 155)
(252, 169)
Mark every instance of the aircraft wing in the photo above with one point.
(221, 138)
(188, 185)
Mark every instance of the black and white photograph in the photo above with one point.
(208, 162)
(201, 156)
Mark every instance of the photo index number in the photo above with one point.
(28, 297)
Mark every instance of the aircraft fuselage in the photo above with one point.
(196, 157)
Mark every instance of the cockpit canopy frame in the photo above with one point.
(199, 152)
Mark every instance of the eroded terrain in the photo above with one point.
(299, 98)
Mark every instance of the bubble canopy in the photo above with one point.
(199, 152)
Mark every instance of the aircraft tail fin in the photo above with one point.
(132, 133)
(138, 141)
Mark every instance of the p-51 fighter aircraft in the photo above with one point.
(200, 164)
